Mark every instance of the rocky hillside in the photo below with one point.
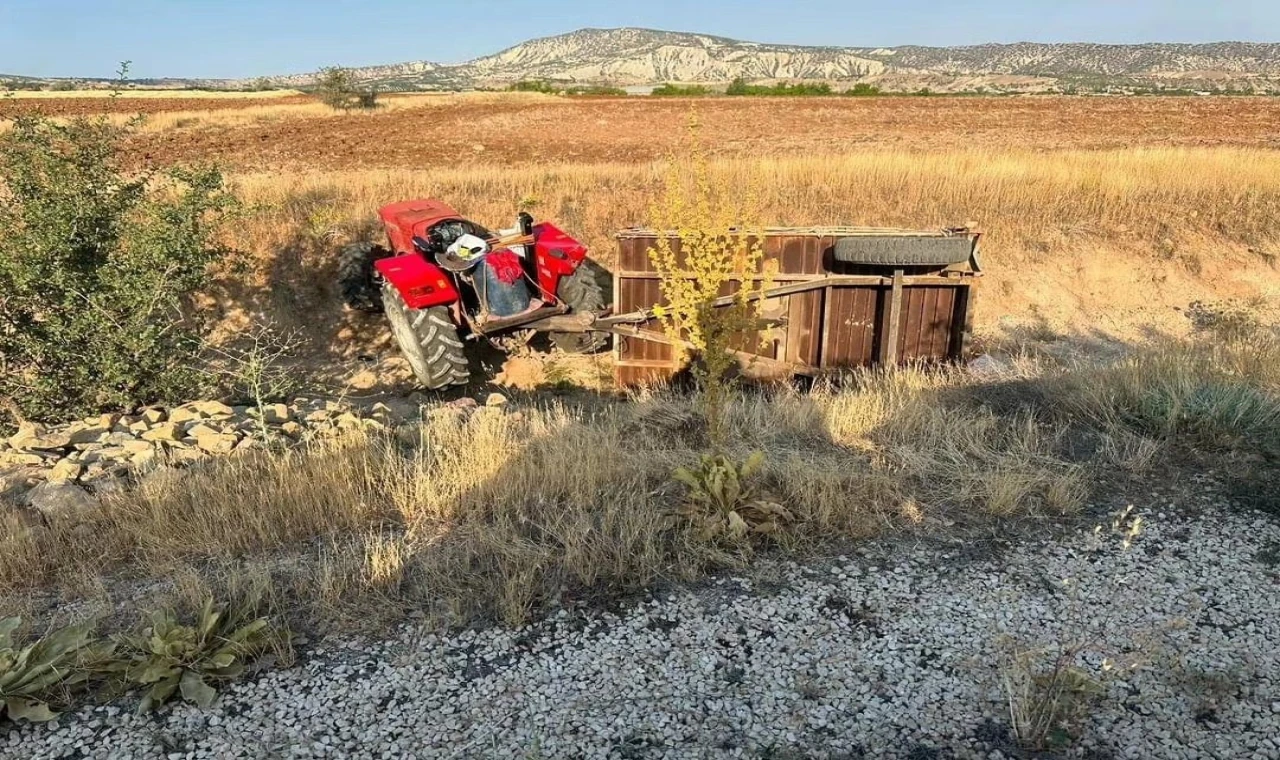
(640, 57)
(644, 56)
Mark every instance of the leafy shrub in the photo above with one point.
(44, 672)
(533, 85)
(97, 266)
(712, 241)
(722, 500)
(338, 88)
(172, 657)
(596, 91)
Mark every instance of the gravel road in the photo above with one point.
(888, 653)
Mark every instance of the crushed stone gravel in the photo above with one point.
(884, 653)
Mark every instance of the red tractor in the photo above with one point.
(443, 279)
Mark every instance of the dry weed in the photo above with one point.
(497, 513)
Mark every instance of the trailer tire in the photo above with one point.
(428, 338)
(356, 281)
(903, 251)
(582, 292)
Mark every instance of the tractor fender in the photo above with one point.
(419, 282)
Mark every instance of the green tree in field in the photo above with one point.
(97, 266)
(338, 88)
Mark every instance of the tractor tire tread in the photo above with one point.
(903, 251)
(431, 345)
(582, 291)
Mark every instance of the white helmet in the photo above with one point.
(469, 247)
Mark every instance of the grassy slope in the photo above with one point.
(500, 514)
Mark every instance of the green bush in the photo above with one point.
(739, 87)
(550, 88)
(97, 266)
(681, 91)
(862, 89)
(596, 90)
(533, 85)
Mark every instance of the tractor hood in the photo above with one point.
(407, 219)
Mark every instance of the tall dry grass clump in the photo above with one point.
(1215, 392)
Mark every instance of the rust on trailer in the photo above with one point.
(832, 314)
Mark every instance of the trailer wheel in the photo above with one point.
(355, 276)
(583, 293)
(429, 340)
(904, 251)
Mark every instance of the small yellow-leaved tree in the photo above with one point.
(710, 260)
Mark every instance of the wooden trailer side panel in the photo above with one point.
(895, 318)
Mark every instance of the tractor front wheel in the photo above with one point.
(429, 340)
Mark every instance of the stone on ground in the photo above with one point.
(61, 501)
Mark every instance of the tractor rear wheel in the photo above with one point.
(582, 293)
(356, 279)
(429, 340)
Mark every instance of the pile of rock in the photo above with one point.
(61, 470)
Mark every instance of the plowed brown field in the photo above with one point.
(462, 131)
(74, 106)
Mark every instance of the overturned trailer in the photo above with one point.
(841, 297)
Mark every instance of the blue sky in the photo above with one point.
(242, 38)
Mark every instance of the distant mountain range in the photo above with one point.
(645, 57)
